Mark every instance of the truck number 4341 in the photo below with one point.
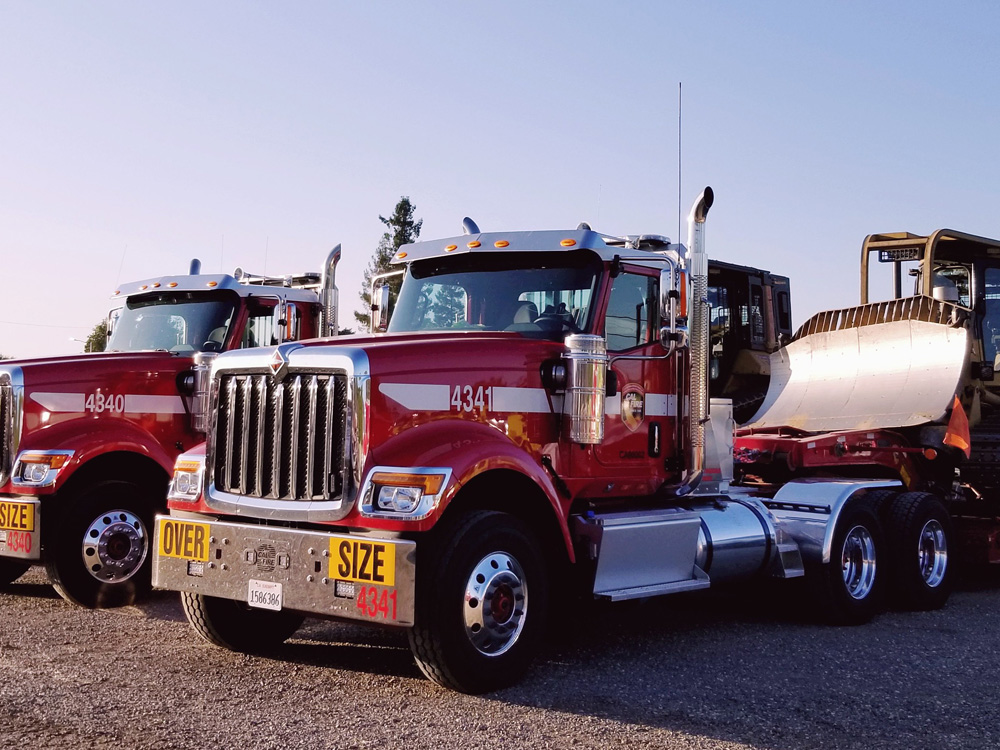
(469, 398)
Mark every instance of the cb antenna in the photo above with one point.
(679, 210)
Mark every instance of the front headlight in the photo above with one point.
(187, 480)
(403, 494)
(39, 468)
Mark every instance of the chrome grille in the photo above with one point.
(7, 426)
(282, 440)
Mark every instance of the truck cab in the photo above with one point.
(87, 442)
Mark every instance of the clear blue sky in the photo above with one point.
(135, 136)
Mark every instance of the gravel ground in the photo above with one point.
(738, 669)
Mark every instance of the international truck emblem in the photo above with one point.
(633, 406)
(278, 363)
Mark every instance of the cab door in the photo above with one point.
(640, 416)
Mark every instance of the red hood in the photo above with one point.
(45, 371)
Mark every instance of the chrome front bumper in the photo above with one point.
(339, 575)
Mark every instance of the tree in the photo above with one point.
(401, 230)
(98, 338)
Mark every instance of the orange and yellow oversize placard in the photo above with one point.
(17, 516)
(184, 539)
(363, 560)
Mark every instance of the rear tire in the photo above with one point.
(482, 592)
(919, 533)
(236, 626)
(11, 570)
(99, 553)
(849, 589)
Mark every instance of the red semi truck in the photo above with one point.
(87, 442)
(536, 422)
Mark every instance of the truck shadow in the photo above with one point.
(746, 665)
(34, 584)
(754, 666)
(358, 648)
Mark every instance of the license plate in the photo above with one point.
(17, 516)
(363, 561)
(264, 594)
(184, 539)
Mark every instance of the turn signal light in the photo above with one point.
(429, 483)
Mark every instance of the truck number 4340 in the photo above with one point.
(97, 403)
(469, 398)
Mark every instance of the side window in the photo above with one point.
(755, 315)
(260, 329)
(720, 325)
(991, 321)
(633, 314)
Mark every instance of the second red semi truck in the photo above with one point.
(88, 442)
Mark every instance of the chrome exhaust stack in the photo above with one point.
(328, 294)
(699, 338)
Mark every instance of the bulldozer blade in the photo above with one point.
(873, 376)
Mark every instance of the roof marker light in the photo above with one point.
(501, 243)
(475, 243)
(401, 255)
(144, 286)
(172, 284)
(568, 243)
(449, 248)
(156, 285)
(212, 283)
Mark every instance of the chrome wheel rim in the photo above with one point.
(858, 562)
(495, 604)
(115, 546)
(933, 553)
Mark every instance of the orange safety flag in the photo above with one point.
(957, 434)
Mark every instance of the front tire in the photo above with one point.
(482, 592)
(99, 554)
(237, 626)
(919, 533)
(849, 589)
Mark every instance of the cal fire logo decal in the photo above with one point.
(633, 406)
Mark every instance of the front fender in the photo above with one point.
(102, 437)
(469, 449)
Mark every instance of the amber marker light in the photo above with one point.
(53, 461)
(501, 243)
(450, 248)
(400, 255)
(144, 286)
(568, 243)
(213, 283)
(930, 454)
(475, 243)
(172, 284)
(156, 285)
(429, 483)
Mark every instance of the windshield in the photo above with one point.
(176, 322)
(542, 294)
